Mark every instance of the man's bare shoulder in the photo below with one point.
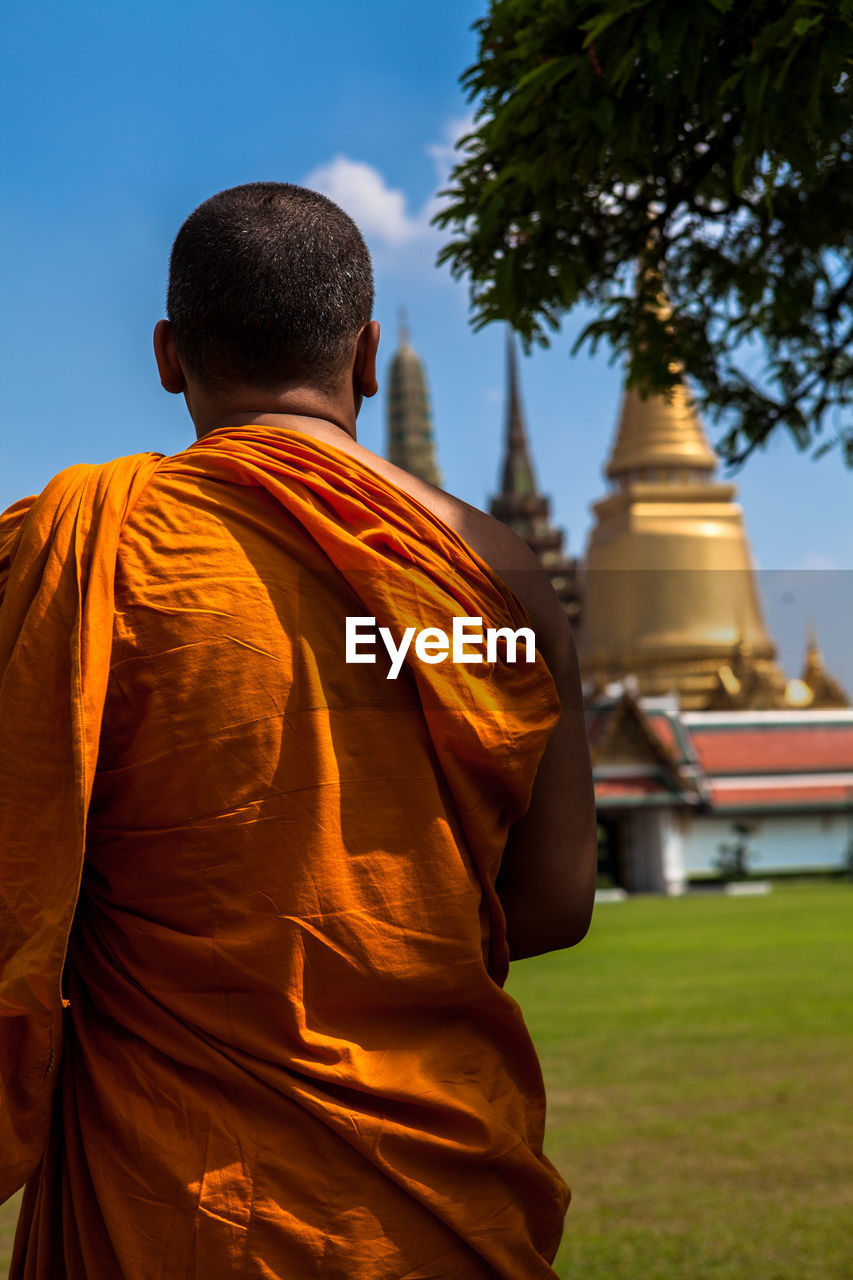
(501, 548)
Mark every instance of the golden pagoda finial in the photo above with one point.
(814, 667)
(812, 644)
(660, 436)
(815, 687)
(660, 439)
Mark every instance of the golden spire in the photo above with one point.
(815, 687)
(660, 437)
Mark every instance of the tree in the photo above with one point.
(734, 857)
(710, 143)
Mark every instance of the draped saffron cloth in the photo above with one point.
(251, 954)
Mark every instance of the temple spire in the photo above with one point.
(520, 504)
(518, 479)
(403, 327)
(411, 444)
(816, 687)
(660, 436)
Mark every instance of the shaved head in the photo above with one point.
(269, 284)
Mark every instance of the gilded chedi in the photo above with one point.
(670, 594)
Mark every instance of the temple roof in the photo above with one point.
(729, 762)
(779, 743)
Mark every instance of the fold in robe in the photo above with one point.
(251, 953)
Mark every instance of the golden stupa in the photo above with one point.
(670, 595)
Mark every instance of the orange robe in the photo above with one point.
(251, 954)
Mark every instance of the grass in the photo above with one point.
(8, 1218)
(698, 1055)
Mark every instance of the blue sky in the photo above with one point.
(120, 119)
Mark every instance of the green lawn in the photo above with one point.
(8, 1218)
(698, 1054)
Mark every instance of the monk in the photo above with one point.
(258, 901)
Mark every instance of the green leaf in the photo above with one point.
(603, 114)
(736, 118)
(804, 25)
(596, 27)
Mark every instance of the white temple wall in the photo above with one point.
(778, 842)
(672, 831)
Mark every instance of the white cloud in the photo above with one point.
(381, 210)
(817, 560)
(444, 154)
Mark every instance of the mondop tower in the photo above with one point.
(411, 444)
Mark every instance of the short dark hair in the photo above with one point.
(268, 283)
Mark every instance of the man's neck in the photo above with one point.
(318, 425)
(310, 409)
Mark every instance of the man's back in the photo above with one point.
(257, 900)
(287, 1046)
